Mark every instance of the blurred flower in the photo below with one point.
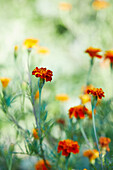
(43, 50)
(62, 97)
(85, 98)
(109, 55)
(105, 63)
(16, 48)
(61, 121)
(84, 169)
(35, 134)
(15, 51)
(40, 165)
(65, 6)
(100, 4)
(93, 52)
(98, 92)
(104, 143)
(91, 154)
(43, 73)
(89, 113)
(78, 112)
(84, 88)
(67, 146)
(5, 81)
(30, 43)
(37, 95)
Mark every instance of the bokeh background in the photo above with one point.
(67, 34)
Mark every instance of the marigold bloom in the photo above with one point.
(40, 165)
(96, 92)
(43, 73)
(37, 95)
(16, 48)
(43, 50)
(85, 88)
(109, 55)
(67, 146)
(65, 6)
(30, 43)
(104, 143)
(62, 97)
(78, 112)
(93, 52)
(100, 4)
(91, 154)
(61, 121)
(85, 98)
(5, 81)
(35, 134)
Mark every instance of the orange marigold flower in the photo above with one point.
(5, 81)
(93, 52)
(40, 165)
(104, 143)
(85, 98)
(98, 92)
(37, 95)
(89, 113)
(61, 121)
(100, 4)
(62, 97)
(42, 50)
(67, 146)
(43, 73)
(65, 6)
(30, 43)
(35, 134)
(78, 112)
(109, 55)
(84, 88)
(91, 154)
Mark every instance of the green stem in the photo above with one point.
(84, 135)
(66, 162)
(10, 163)
(40, 90)
(94, 127)
(89, 72)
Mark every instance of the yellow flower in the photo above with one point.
(35, 134)
(43, 50)
(37, 95)
(100, 4)
(85, 98)
(5, 81)
(91, 154)
(30, 43)
(16, 48)
(65, 6)
(62, 97)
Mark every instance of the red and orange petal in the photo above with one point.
(93, 52)
(67, 146)
(104, 142)
(109, 55)
(100, 4)
(65, 6)
(5, 81)
(78, 112)
(30, 43)
(91, 154)
(89, 113)
(40, 165)
(85, 98)
(35, 134)
(43, 73)
(84, 88)
(37, 95)
(98, 92)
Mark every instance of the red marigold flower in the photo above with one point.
(67, 146)
(104, 143)
(96, 92)
(109, 55)
(35, 133)
(40, 165)
(93, 52)
(78, 112)
(43, 73)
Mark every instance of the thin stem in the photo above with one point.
(10, 163)
(94, 127)
(89, 72)
(66, 162)
(32, 97)
(40, 90)
(84, 135)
